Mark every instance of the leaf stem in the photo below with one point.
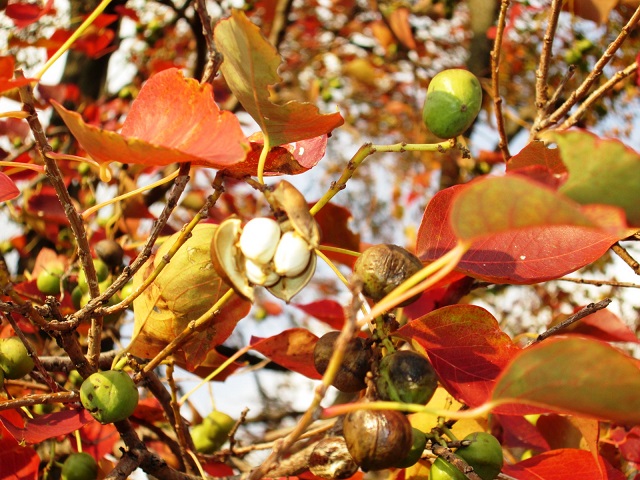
(79, 31)
(344, 251)
(266, 146)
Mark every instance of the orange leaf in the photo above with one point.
(173, 120)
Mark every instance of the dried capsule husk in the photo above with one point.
(330, 459)
(383, 267)
(287, 287)
(295, 206)
(376, 439)
(354, 368)
(406, 376)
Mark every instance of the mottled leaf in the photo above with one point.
(250, 67)
(574, 375)
(466, 347)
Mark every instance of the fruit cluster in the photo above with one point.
(484, 454)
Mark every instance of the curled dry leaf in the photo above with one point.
(186, 288)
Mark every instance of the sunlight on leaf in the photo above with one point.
(173, 120)
(292, 349)
(250, 66)
(574, 375)
(8, 189)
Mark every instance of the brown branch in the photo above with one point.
(600, 283)
(597, 94)
(626, 257)
(503, 144)
(542, 73)
(588, 310)
(446, 454)
(215, 58)
(40, 398)
(579, 93)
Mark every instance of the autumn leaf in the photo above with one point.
(184, 290)
(466, 347)
(537, 153)
(7, 82)
(597, 11)
(8, 189)
(574, 375)
(600, 171)
(250, 66)
(520, 246)
(292, 349)
(173, 120)
(42, 427)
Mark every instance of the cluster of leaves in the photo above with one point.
(554, 211)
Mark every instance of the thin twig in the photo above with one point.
(588, 310)
(542, 74)
(215, 58)
(579, 93)
(626, 257)
(560, 88)
(597, 94)
(503, 144)
(600, 283)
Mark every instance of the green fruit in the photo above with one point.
(484, 454)
(355, 364)
(76, 297)
(14, 358)
(48, 282)
(407, 377)
(454, 99)
(109, 396)
(419, 441)
(220, 424)
(443, 470)
(79, 466)
(202, 442)
(102, 272)
(383, 267)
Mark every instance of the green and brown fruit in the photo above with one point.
(15, 360)
(484, 454)
(355, 364)
(376, 439)
(454, 99)
(406, 376)
(418, 443)
(211, 434)
(110, 252)
(109, 396)
(79, 466)
(384, 267)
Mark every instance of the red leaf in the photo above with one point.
(565, 464)
(293, 349)
(8, 189)
(328, 311)
(46, 426)
(16, 462)
(24, 14)
(288, 159)
(333, 221)
(7, 65)
(217, 469)
(519, 432)
(173, 120)
(45, 206)
(627, 441)
(97, 439)
(465, 346)
(536, 153)
(603, 325)
(520, 257)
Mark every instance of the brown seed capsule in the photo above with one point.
(377, 439)
(330, 459)
(354, 368)
(110, 252)
(383, 267)
(406, 376)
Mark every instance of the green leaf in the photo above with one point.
(574, 375)
(250, 66)
(600, 171)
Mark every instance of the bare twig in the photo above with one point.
(626, 257)
(599, 283)
(542, 73)
(597, 94)
(588, 310)
(579, 93)
(503, 144)
(560, 88)
(40, 398)
(215, 58)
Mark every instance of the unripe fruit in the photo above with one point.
(484, 454)
(418, 443)
(376, 439)
(202, 442)
(443, 470)
(292, 255)
(406, 376)
(79, 466)
(109, 396)
(110, 252)
(48, 281)
(330, 459)
(355, 365)
(211, 434)
(102, 272)
(14, 358)
(259, 239)
(383, 267)
(454, 99)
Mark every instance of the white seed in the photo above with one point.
(292, 255)
(259, 239)
(260, 274)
